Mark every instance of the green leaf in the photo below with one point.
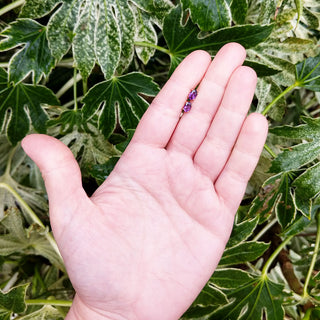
(308, 73)
(242, 231)
(207, 301)
(12, 302)
(262, 70)
(119, 96)
(230, 278)
(307, 187)
(243, 252)
(254, 298)
(97, 31)
(26, 241)
(276, 194)
(239, 9)
(34, 56)
(183, 39)
(301, 154)
(209, 15)
(16, 101)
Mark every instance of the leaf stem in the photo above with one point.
(75, 89)
(283, 93)
(151, 45)
(267, 148)
(265, 229)
(53, 302)
(32, 215)
(274, 255)
(11, 6)
(314, 257)
(69, 84)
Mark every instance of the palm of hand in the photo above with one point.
(150, 237)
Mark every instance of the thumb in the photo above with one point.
(61, 174)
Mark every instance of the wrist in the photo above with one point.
(80, 311)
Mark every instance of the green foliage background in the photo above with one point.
(85, 71)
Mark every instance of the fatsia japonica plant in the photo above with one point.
(84, 71)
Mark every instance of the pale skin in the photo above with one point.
(147, 241)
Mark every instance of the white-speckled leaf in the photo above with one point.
(107, 40)
(83, 42)
(266, 91)
(99, 31)
(61, 27)
(127, 25)
(38, 8)
(145, 33)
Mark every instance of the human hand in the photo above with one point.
(147, 241)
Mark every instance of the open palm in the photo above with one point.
(146, 242)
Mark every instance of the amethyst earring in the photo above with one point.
(192, 95)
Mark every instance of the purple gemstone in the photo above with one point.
(192, 95)
(187, 107)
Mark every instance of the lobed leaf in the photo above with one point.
(209, 15)
(15, 101)
(182, 39)
(119, 96)
(34, 56)
(252, 298)
(98, 31)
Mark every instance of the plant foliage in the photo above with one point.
(85, 72)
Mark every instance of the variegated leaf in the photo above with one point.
(98, 30)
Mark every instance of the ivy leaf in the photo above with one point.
(301, 154)
(276, 194)
(209, 15)
(252, 297)
(26, 241)
(13, 301)
(243, 252)
(14, 103)
(308, 73)
(182, 39)
(119, 96)
(34, 56)
(98, 31)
